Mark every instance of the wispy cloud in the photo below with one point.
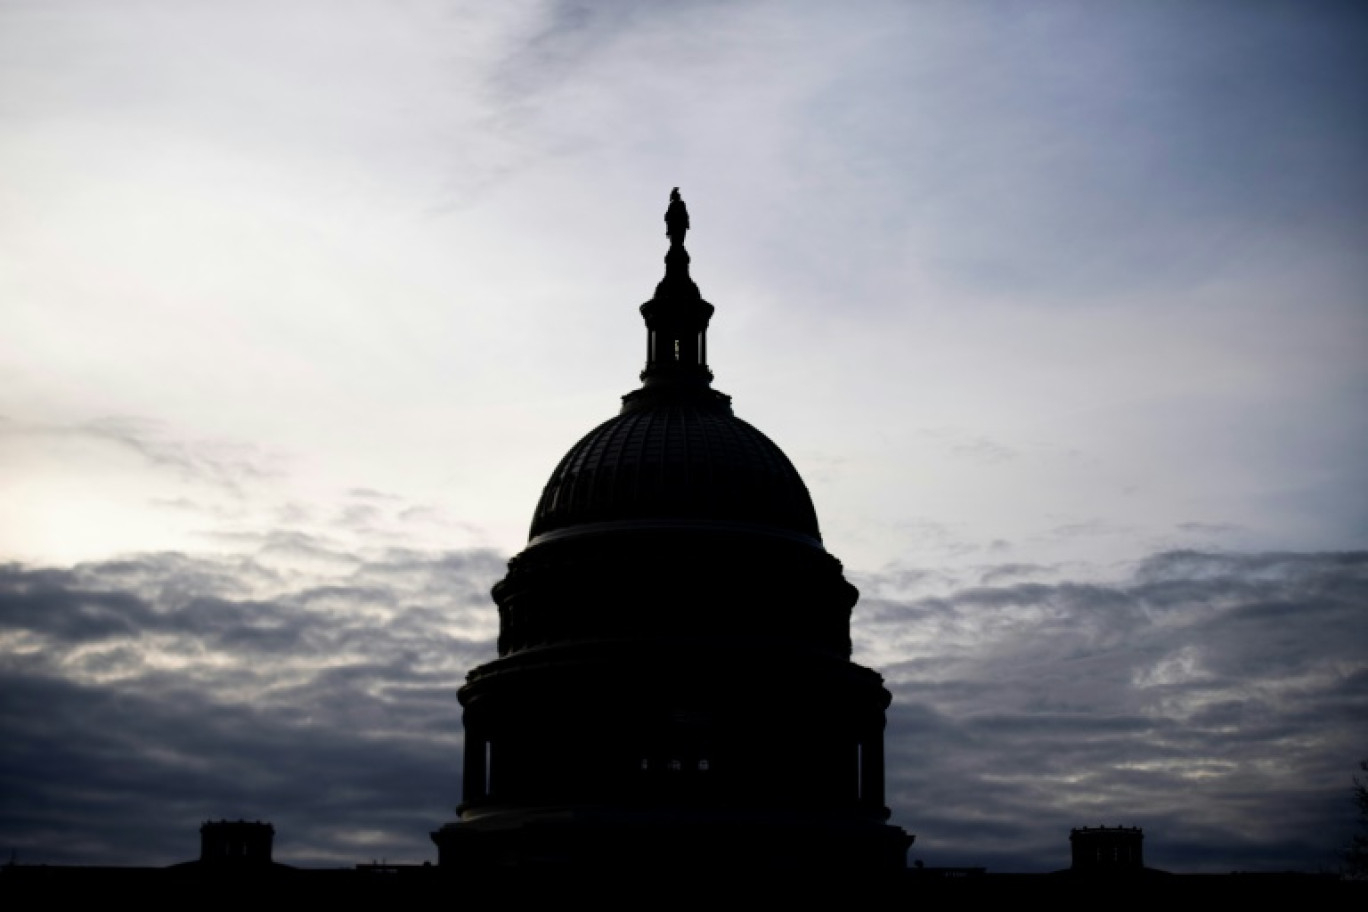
(225, 465)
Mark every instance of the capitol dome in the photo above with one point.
(672, 623)
(679, 498)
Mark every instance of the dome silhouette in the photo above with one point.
(671, 625)
(673, 458)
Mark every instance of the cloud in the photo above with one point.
(226, 465)
(1215, 699)
(372, 494)
(145, 695)
(1206, 528)
(1001, 572)
(217, 463)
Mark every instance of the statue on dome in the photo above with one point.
(676, 219)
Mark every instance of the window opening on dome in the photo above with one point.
(676, 766)
(676, 346)
(703, 766)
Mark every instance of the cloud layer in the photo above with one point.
(145, 695)
(1214, 699)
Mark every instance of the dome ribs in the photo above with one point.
(676, 460)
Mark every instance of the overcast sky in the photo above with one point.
(1061, 310)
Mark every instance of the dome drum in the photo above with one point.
(719, 580)
(664, 726)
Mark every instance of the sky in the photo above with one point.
(1060, 309)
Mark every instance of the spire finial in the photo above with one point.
(676, 219)
(676, 318)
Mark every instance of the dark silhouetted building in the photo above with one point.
(236, 842)
(1107, 850)
(674, 685)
